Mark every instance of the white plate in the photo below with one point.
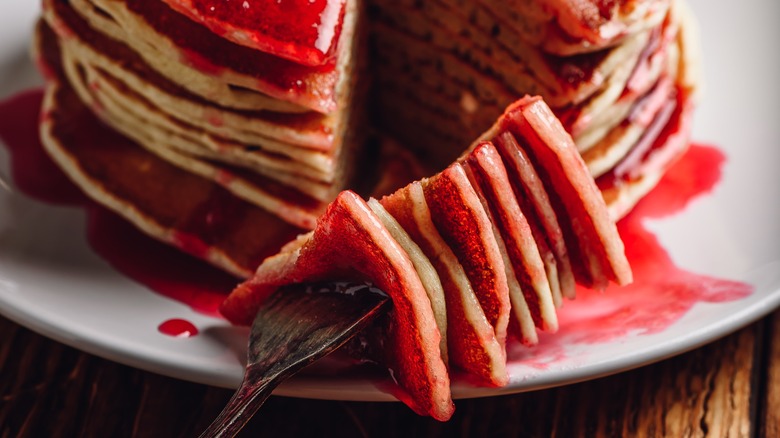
(51, 281)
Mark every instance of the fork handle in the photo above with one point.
(241, 407)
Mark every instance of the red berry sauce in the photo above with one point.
(304, 31)
(158, 266)
(178, 328)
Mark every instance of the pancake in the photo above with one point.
(531, 298)
(472, 343)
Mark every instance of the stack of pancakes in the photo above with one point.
(271, 131)
(206, 140)
(621, 76)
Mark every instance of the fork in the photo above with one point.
(294, 327)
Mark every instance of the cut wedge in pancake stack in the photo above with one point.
(274, 122)
(464, 255)
(618, 75)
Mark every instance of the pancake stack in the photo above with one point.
(621, 76)
(272, 131)
(230, 135)
(280, 124)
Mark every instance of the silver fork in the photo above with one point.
(295, 326)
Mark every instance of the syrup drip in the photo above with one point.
(32, 170)
(147, 261)
(178, 328)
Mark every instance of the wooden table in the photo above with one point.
(728, 388)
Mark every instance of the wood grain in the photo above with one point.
(728, 388)
(769, 384)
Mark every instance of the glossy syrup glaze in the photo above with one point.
(305, 31)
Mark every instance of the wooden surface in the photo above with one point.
(728, 388)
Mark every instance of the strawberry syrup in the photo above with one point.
(159, 267)
(304, 31)
(178, 328)
(660, 295)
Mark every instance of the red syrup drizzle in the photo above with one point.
(304, 31)
(178, 328)
(661, 292)
(147, 261)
